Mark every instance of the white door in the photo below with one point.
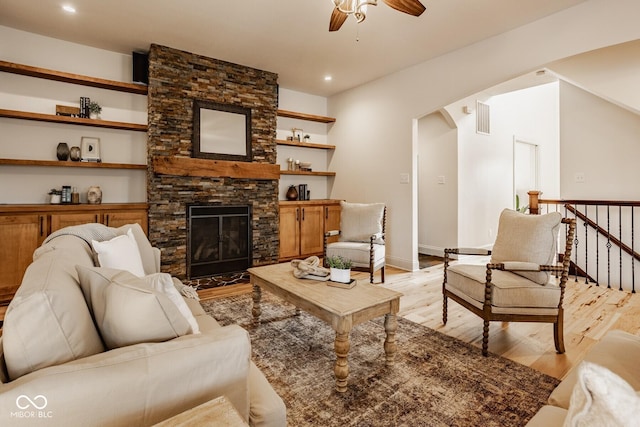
(525, 171)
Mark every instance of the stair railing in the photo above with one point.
(605, 251)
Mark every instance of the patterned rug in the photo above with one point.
(436, 380)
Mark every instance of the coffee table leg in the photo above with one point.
(390, 326)
(257, 294)
(341, 368)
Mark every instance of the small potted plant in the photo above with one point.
(340, 269)
(94, 110)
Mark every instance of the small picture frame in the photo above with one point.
(90, 149)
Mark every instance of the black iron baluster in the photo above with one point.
(597, 247)
(586, 244)
(575, 243)
(620, 246)
(608, 247)
(633, 251)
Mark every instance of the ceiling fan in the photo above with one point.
(358, 8)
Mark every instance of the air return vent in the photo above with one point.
(483, 118)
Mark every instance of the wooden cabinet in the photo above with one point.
(20, 236)
(302, 226)
(24, 227)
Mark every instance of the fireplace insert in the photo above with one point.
(218, 240)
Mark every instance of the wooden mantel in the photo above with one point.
(188, 166)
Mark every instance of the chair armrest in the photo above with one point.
(156, 255)
(468, 251)
(377, 236)
(140, 384)
(332, 233)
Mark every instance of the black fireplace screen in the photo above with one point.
(219, 240)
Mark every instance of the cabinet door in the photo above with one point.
(332, 220)
(61, 220)
(120, 218)
(21, 235)
(311, 230)
(289, 231)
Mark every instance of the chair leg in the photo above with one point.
(485, 338)
(371, 275)
(558, 334)
(444, 309)
(382, 273)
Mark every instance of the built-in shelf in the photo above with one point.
(286, 172)
(70, 164)
(305, 144)
(303, 116)
(60, 76)
(52, 118)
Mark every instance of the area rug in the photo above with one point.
(436, 380)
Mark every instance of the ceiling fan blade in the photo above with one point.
(337, 19)
(412, 7)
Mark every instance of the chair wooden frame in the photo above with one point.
(488, 315)
(371, 269)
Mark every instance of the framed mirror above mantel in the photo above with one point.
(221, 131)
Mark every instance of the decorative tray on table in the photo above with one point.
(342, 285)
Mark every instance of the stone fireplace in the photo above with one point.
(176, 181)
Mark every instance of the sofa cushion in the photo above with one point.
(127, 311)
(147, 254)
(359, 221)
(602, 398)
(617, 351)
(163, 282)
(120, 253)
(48, 322)
(548, 416)
(527, 238)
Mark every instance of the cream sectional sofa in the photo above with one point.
(55, 369)
(602, 397)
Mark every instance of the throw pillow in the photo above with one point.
(127, 311)
(602, 398)
(162, 282)
(120, 253)
(359, 221)
(527, 238)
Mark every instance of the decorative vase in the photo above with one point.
(74, 154)
(62, 152)
(292, 193)
(340, 275)
(94, 195)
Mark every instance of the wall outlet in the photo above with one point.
(404, 178)
(579, 177)
(441, 179)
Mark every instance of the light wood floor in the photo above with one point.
(590, 311)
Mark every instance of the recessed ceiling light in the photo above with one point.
(327, 78)
(68, 8)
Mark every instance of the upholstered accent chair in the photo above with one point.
(517, 284)
(360, 238)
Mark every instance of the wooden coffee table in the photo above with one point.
(342, 309)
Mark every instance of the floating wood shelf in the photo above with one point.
(52, 118)
(60, 76)
(303, 116)
(70, 164)
(286, 172)
(305, 144)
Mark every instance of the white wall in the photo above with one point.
(22, 139)
(375, 126)
(437, 185)
(592, 125)
(309, 104)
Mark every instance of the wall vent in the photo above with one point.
(483, 118)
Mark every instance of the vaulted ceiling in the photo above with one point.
(288, 37)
